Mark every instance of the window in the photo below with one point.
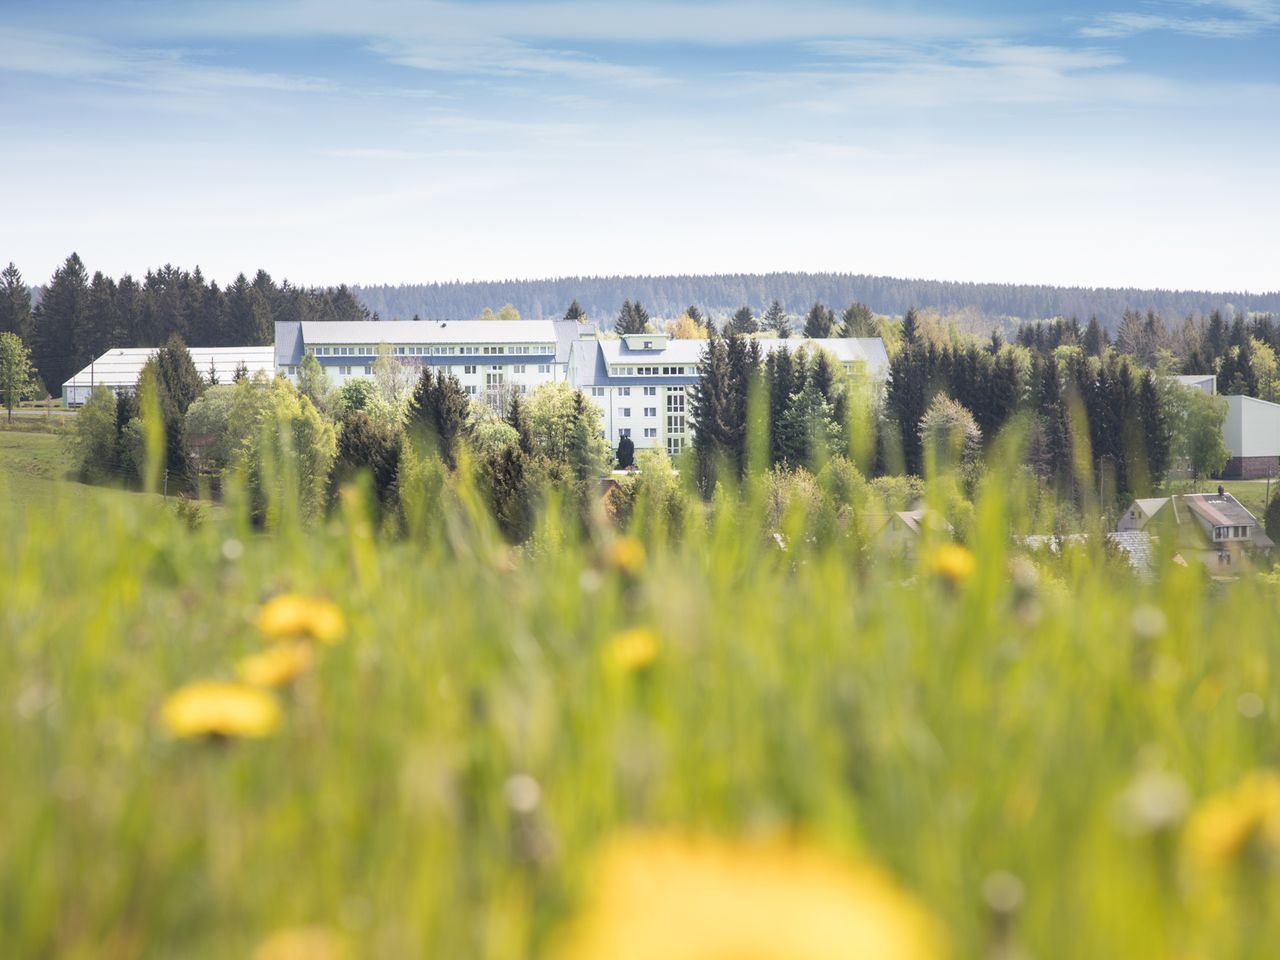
(674, 445)
(495, 350)
(624, 412)
(650, 411)
(344, 371)
(518, 368)
(648, 344)
(624, 391)
(544, 368)
(469, 368)
(597, 391)
(624, 432)
(650, 391)
(650, 432)
(368, 370)
(673, 371)
(472, 390)
(493, 381)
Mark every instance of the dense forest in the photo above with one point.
(722, 295)
(77, 317)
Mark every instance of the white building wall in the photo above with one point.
(1252, 427)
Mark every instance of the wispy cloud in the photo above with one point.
(61, 55)
(1219, 19)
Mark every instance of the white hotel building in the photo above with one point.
(640, 382)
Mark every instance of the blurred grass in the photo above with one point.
(996, 724)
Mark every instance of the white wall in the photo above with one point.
(1252, 427)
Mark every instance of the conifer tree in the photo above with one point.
(820, 322)
(858, 321)
(632, 318)
(15, 304)
(910, 326)
(1093, 342)
(744, 322)
(59, 324)
(438, 412)
(775, 318)
(575, 313)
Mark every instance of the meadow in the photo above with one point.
(751, 736)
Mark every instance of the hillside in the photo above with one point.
(667, 296)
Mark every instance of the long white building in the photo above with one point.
(118, 369)
(640, 382)
(484, 355)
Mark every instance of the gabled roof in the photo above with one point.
(120, 368)
(428, 331)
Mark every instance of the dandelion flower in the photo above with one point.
(660, 897)
(220, 709)
(1227, 823)
(281, 664)
(632, 649)
(626, 554)
(291, 616)
(303, 943)
(951, 561)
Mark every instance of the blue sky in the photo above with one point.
(1132, 142)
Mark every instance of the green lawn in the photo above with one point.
(36, 469)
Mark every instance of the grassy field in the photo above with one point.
(608, 746)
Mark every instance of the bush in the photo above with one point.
(94, 440)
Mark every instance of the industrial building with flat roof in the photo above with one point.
(118, 370)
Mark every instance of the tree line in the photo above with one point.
(76, 317)
(721, 295)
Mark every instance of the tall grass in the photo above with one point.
(1020, 745)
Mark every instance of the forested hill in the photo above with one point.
(722, 294)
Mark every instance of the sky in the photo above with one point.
(1094, 143)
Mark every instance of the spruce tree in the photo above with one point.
(632, 318)
(1093, 342)
(910, 326)
(858, 321)
(744, 322)
(696, 316)
(820, 322)
(438, 411)
(575, 313)
(626, 454)
(15, 304)
(59, 324)
(775, 317)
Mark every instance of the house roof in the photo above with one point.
(120, 368)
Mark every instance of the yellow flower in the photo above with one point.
(1228, 822)
(210, 708)
(951, 561)
(281, 664)
(293, 617)
(660, 897)
(302, 943)
(625, 553)
(632, 649)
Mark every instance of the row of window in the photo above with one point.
(648, 411)
(630, 371)
(624, 391)
(650, 433)
(369, 350)
(1230, 533)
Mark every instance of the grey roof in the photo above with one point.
(1223, 510)
(567, 332)
(868, 350)
(120, 368)
(428, 331)
(288, 343)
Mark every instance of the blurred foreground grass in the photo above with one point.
(654, 747)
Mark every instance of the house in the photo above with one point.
(1135, 546)
(1212, 528)
(1251, 432)
(118, 370)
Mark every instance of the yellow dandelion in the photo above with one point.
(626, 554)
(1247, 815)
(276, 666)
(210, 708)
(291, 616)
(632, 649)
(659, 897)
(303, 943)
(951, 561)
